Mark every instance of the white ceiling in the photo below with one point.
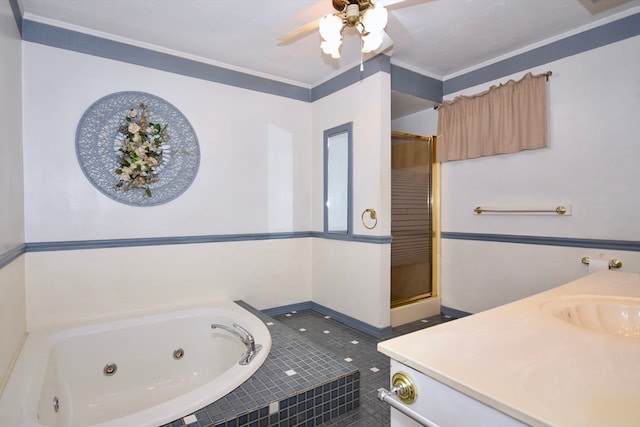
(438, 38)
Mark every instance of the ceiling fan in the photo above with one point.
(367, 17)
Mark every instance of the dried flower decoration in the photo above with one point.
(140, 150)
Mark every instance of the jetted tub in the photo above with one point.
(144, 371)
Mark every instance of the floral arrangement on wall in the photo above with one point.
(136, 148)
(141, 150)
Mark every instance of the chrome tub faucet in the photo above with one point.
(245, 337)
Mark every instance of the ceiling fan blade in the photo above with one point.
(391, 4)
(299, 33)
(312, 26)
(387, 3)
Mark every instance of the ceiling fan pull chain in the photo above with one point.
(361, 57)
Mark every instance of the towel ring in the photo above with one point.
(373, 215)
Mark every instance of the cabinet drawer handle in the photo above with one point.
(387, 396)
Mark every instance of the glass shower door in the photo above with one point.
(411, 218)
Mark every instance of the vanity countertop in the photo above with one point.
(532, 365)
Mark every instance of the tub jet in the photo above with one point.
(110, 369)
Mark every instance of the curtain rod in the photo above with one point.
(546, 77)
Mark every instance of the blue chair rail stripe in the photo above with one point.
(621, 245)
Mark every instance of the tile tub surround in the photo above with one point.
(300, 384)
(341, 342)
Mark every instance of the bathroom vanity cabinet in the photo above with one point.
(450, 407)
(569, 356)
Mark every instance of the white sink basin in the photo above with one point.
(605, 314)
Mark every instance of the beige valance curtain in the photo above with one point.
(504, 119)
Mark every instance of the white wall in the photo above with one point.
(243, 136)
(254, 177)
(353, 277)
(423, 123)
(591, 164)
(261, 171)
(12, 294)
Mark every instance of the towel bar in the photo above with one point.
(613, 262)
(559, 210)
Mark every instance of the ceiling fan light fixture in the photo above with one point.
(331, 28)
(331, 33)
(368, 18)
(331, 48)
(375, 19)
(352, 14)
(372, 41)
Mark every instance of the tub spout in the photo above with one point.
(248, 338)
(245, 337)
(232, 331)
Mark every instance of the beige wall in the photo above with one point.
(67, 287)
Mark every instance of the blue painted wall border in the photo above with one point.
(380, 63)
(411, 83)
(182, 240)
(362, 238)
(17, 16)
(50, 35)
(621, 245)
(76, 41)
(7, 257)
(402, 80)
(587, 40)
(159, 241)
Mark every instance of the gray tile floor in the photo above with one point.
(358, 348)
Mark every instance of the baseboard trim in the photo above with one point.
(342, 318)
(283, 309)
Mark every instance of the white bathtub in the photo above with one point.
(150, 387)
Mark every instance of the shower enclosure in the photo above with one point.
(412, 220)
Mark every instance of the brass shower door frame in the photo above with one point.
(434, 203)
